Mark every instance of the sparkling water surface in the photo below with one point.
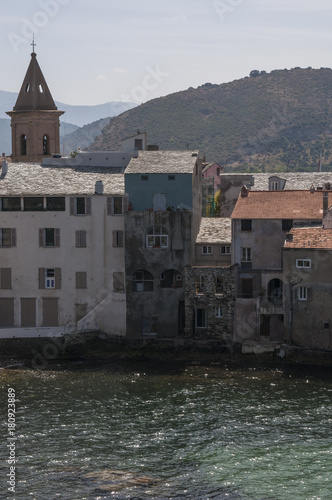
(146, 432)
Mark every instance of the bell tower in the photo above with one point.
(35, 119)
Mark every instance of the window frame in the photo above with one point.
(151, 237)
(218, 312)
(49, 278)
(203, 321)
(225, 247)
(11, 237)
(303, 266)
(302, 293)
(246, 225)
(146, 280)
(208, 250)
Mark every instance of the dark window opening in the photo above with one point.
(23, 145)
(27, 87)
(286, 224)
(139, 144)
(142, 281)
(171, 279)
(33, 204)
(200, 318)
(55, 204)
(80, 206)
(246, 225)
(45, 145)
(11, 204)
(275, 291)
(144, 177)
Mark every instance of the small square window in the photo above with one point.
(246, 225)
(218, 312)
(302, 293)
(303, 263)
(206, 250)
(225, 250)
(326, 325)
(171, 177)
(144, 177)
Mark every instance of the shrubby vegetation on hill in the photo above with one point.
(268, 121)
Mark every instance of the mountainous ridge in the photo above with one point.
(274, 121)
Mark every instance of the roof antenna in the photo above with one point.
(33, 43)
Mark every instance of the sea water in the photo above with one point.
(145, 432)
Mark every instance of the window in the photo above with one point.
(171, 279)
(33, 204)
(7, 237)
(200, 318)
(142, 281)
(11, 204)
(139, 144)
(274, 185)
(326, 325)
(200, 284)
(246, 259)
(49, 237)
(117, 238)
(55, 204)
(156, 237)
(302, 293)
(144, 177)
(225, 250)
(206, 250)
(218, 312)
(5, 278)
(286, 224)
(218, 171)
(80, 278)
(246, 225)
(49, 278)
(171, 177)
(80, 206)
(303, 263)
(117, 205)
(219, 285)
(80, 239)
(118, 282)
(45, 145)
(23, 141)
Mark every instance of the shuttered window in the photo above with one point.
(6, 312)
(6, 278)
(49, 237)
(80, 205)
(81, 281)
(8, 237)
(118, 282)
(49, 278)
(80, 239)
(117, 238)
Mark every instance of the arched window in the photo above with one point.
(142, 281)
(275, 291)
(23, 145)
(156, 237)
(45, 145)
(171, 279)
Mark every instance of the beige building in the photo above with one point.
(62, 251)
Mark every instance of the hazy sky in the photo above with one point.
(94, 51)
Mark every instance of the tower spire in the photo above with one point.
(33, 43)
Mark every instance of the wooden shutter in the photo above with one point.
(120, 238)
(13, 237)
(57, 275)
(6, 312)
(28, 312)
(88, 206)
(41, 278)
(125, 203)
(81, 279)
(109, 205)
(57, 237)
(77, 238)
(72, 206)
(6, 278)
(41, 237)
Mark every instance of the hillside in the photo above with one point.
(274, 121)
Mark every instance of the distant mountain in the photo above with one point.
(82, 137)
(74, 117)
(268, 121)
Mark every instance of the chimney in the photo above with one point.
(325, 203)
(244, 192)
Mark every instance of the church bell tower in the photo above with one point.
(35, 119)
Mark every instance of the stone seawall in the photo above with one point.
(43, 353)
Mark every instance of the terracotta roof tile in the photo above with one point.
(298, 205)
(310, 237)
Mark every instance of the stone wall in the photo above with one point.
(218, 326)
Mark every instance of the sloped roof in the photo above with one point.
(163, 162)
(294, 180)
(34, 93)
(32, 179)
(215, 230)
(296, 205)
(310, 237)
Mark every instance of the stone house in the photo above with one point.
(260, 223)
(307, 257)
(164, 193)
(213, 242)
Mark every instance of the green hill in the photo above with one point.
(273, 121)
